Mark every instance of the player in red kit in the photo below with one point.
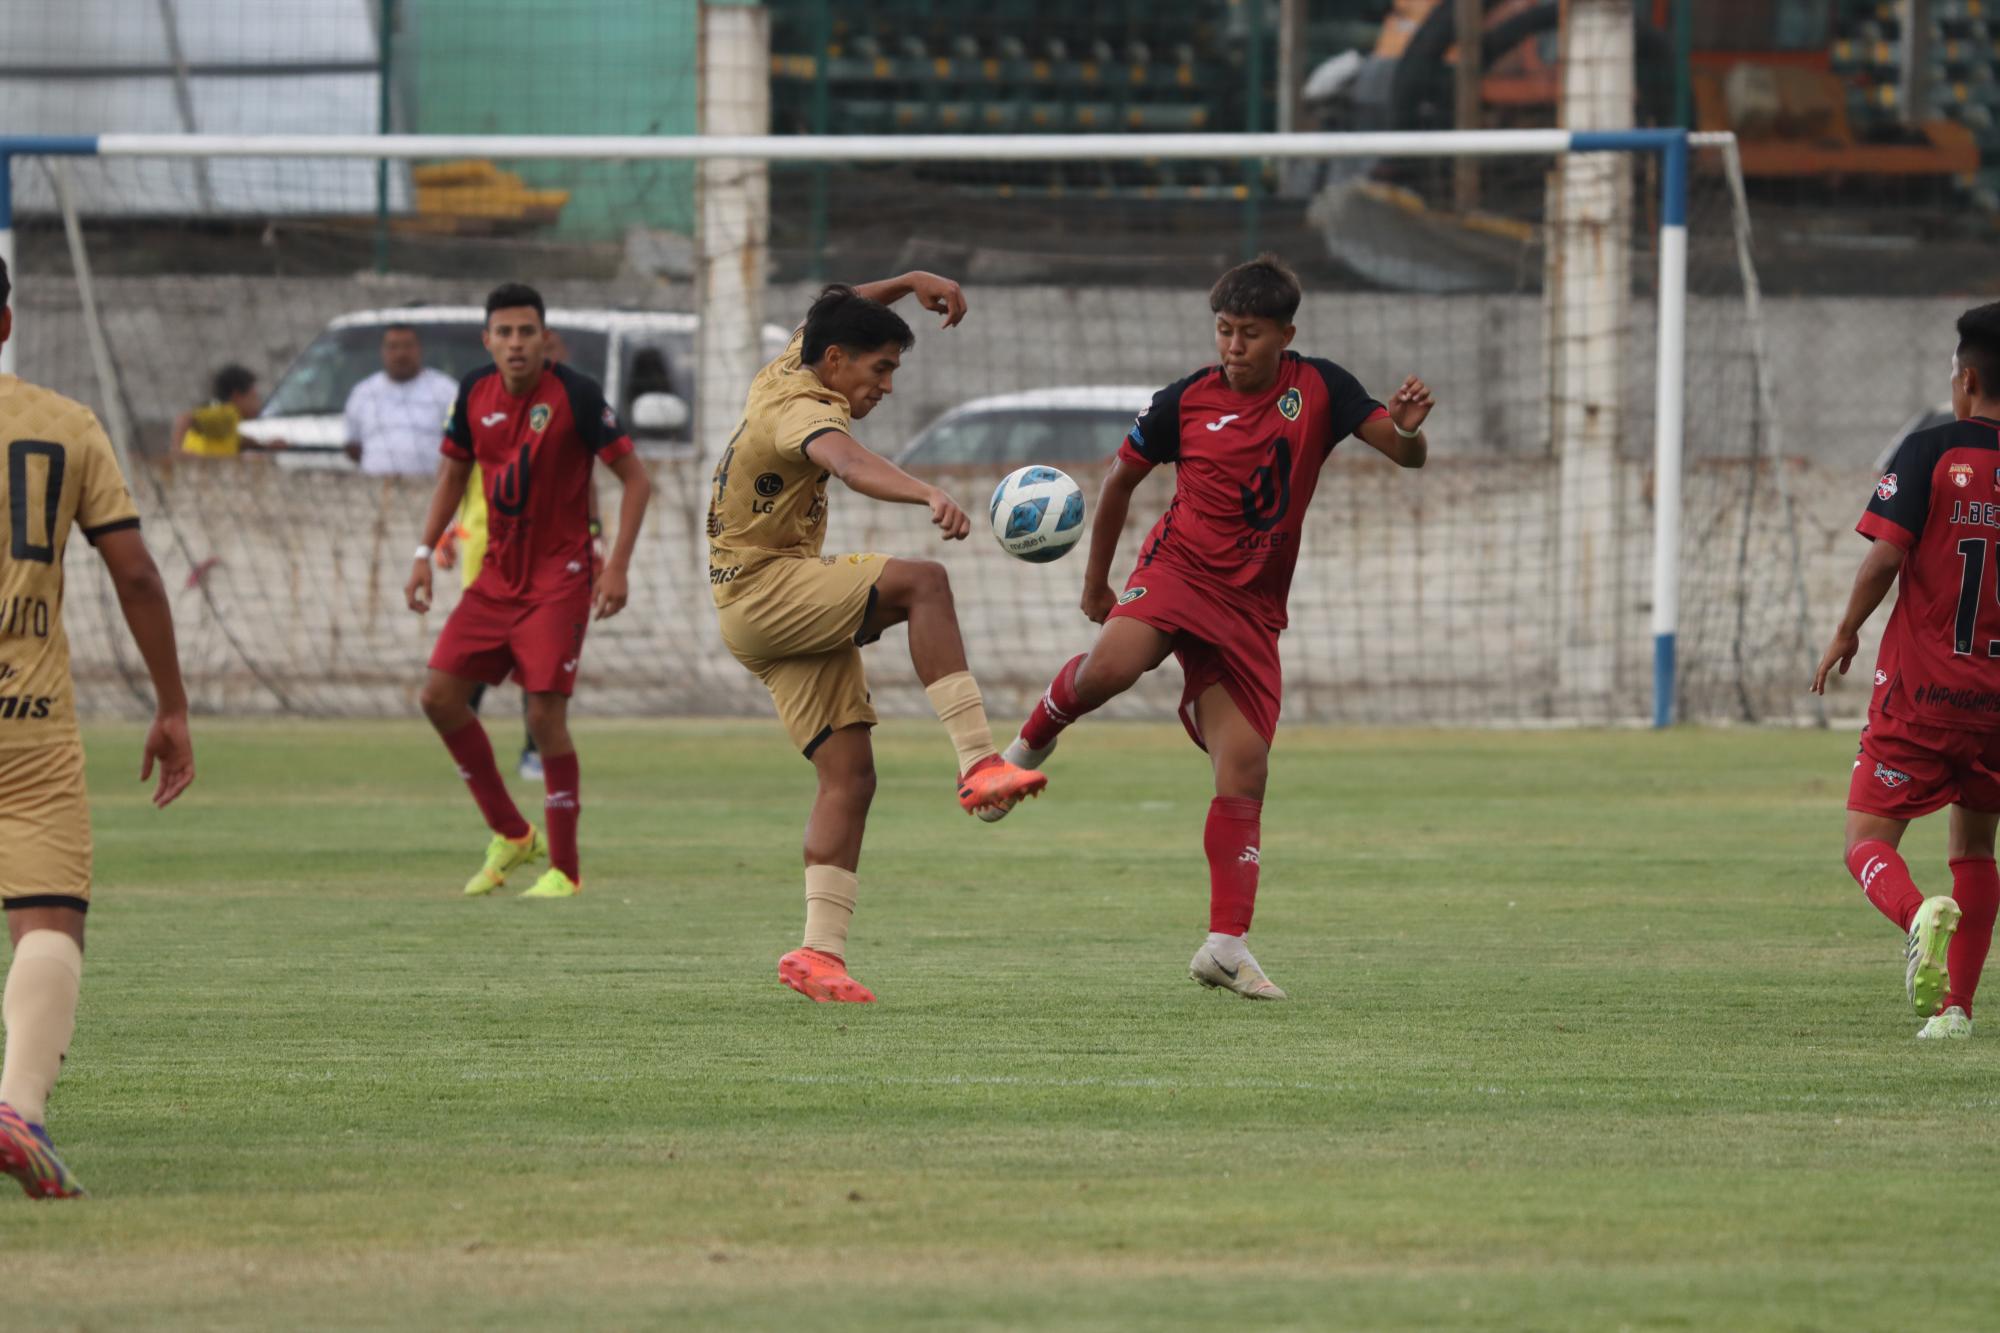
(1933, 733)
(1247, 437)
(535, 428)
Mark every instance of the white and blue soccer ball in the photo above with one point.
(1037, 514)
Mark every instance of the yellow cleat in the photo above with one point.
(553, 884)
(503, 857)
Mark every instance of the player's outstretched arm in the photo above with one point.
(1399, 437)
(608, 597)
(1114, 500)
(862, 470)
(451, 476)
(939, 295)
(1871, 584)
(142, 596)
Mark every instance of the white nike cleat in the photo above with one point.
(1951, 1025)
(1014, 754)
(1229, 966)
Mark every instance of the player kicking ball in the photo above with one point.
(1932, 737)
(798, 619)
(536, 428)
(1248, 437)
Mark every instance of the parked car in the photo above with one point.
(1077, 424)
(644, 360)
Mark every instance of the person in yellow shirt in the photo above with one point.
(212, 430)
(60, 477)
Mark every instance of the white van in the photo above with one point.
(644, 360)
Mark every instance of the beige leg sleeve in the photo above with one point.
(40, 1013)
(830, 893)
(963, 712)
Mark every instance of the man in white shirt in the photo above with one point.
(395, 417)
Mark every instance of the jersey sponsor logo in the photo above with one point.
(1222, 421)
(718, 577)
(770, 484)
(538, 417)
(1268, 498)
(1291, 405)
(1961, 475)
(1891, 777)
(492, 418)
(1130, 595)
(1886, 488)
(27, 707)
(510, 489)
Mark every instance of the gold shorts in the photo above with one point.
(798, 627)
(44, 827)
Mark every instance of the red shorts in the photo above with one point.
(1217, 643)
(1906, 769)
(540, 642)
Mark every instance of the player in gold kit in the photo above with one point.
(59, 472)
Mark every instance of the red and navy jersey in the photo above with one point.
(1246, 466)
(534, 453)
(1940, 502)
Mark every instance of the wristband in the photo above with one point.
(1406, 434)
(423, 553)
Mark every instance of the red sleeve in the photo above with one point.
(613, 450)
(1888, 530)
(1127, 453)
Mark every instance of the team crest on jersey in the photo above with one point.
(1886, 488)
(1290, 405)
(538, 417)
(1881, 677)
(1961, 475)
(1891, 777)
(1130, 595)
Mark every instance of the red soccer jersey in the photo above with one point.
(534, 453)
(1246, 468)
(1940, 502)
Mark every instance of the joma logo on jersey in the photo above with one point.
(1891, 777)
(1291, 405)
(538, 417)
(24, 706)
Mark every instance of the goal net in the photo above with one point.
(1510, 581)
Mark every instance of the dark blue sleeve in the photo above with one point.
(1348, 404)
(458, 427)
(1155, 436)
(597, 425)
(1902, 498)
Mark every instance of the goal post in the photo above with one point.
(1667, 242)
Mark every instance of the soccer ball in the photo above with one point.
(1037, 514)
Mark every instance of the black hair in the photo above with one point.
(401, 326)
(1979, 346)
(510, 294)
(6, 285)
(1263, 286)
(842, 315)
(231, 380)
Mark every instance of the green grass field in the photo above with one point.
(1590, 1031)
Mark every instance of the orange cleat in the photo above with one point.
(822, 978)
(994, 784)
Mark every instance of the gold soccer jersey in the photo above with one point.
(768, 501)
(58, 471)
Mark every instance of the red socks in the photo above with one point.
(1976, 887)
(1230, 839)
(474, 753)
(560, 809)
(1058, 708)
(1886, 881)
